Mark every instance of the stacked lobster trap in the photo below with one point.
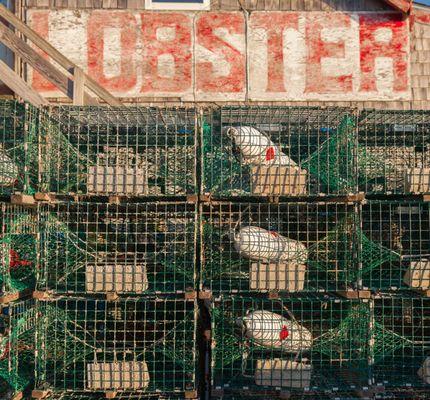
(106, 240)
(317, 220)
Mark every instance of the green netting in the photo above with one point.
(333, 162)
(17, 349)
(18, 252)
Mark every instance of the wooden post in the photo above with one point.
(78, 86)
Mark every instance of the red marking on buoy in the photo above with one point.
(270, 153)
(273, 233)
(284, 333)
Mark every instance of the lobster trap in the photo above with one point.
(18, 248)
(292, 247)
(284, 151)
(292, 344)
(394, 152)
(127, 151)
(401, 341)
(144, 345)
(133, 248)
(18, 147)
(400, 255)
(17, 329)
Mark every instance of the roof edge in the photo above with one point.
(404, 6)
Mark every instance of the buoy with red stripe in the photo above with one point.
(271, 330)
(256, 148)
(260, 244)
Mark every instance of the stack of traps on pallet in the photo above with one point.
(269, 212)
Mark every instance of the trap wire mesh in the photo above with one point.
(89, 345)
(133, 248)
(118, 151)
(298, 343)
(18, 248)
(287, 151)
(394, 152)
(17, 324)
(292, 247)
(19, 147)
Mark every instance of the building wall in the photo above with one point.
(229, 55)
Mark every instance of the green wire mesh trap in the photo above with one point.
(401, 347)
(124, 151)
(18, 248)
(18, 148)
(400, 233)
(293, 247)
(143, 345)
(394, 152)
(300, 343)
(289, 151)
(17, 324)
(134, 248)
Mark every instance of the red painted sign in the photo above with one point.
(218, 56)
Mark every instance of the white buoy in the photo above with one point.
(272, 330)
(424, 371)
(256, 148)
(8, 170)
(259, 244)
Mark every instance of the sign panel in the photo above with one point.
(218, 56)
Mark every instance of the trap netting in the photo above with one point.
(118, 151)
(18, 248)
(293, 247)
(133, 248)
(401, 230)
(145, 345)
(301, 343)
(394, 151)
(287, 151)
(401, 341)
(18, 147)
(17, 326)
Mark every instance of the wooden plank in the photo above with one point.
(19, 86)
(78, 87)
(55, 54)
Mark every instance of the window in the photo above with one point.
(177, 4)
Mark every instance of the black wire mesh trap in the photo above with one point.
(118, 151)
(294, 247)
(17, 327)
(133, 248)
(18, 147)
(287, 151)
(399, 257)
(137, 395)
(293, 344)
(18, 248)
(144, 345)
(394, 152)
(401, 341)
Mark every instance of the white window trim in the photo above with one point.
(149, 5)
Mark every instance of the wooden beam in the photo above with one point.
(19, 86)
(39, 63)
(78, 87)
(56, 55)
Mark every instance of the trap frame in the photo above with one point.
(401, 231)
(19, 147)
(288, 246)
(401, 341)
(327, 345)
(144, 345)
(118, 151)
(289, 151)
(394, 152)
(17, 322)
(18, 248)
(130, 249)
